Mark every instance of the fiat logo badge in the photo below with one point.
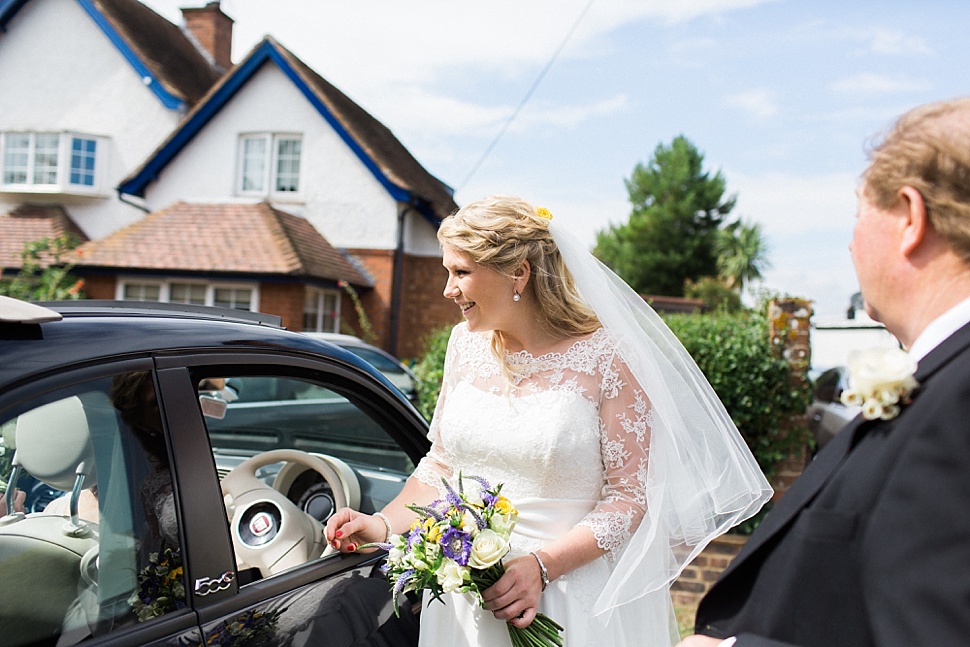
(261, 524)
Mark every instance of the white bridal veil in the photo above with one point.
(702, 479)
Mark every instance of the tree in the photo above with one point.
(45, 272)
(677, 209)
(742, 254)
(714, 292)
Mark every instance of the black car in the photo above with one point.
(180, 464)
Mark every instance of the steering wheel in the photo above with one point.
(270, 532)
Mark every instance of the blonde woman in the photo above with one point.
(562, 384)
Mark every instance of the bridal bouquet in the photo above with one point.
(457, 545)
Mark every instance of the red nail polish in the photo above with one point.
(338, 534)
(352, 547)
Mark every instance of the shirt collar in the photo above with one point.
(940, 328)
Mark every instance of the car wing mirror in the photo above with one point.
(213, 406)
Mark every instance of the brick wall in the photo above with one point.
(98, 287)
(379, 263)
(285, 300)
(701, 573)
(212, 29)
(423, 306)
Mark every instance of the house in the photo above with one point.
(90, 87)
(269, 189)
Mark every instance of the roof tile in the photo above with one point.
(222, 238)
(180, 67)
(28, 223)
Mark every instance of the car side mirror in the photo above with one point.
(213, 406)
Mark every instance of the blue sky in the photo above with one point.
(781, 96)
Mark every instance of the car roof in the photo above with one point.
(91, 329)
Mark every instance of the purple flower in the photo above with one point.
(454, 498)
(402, 581)
(456, 545)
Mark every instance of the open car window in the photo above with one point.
(289, 452)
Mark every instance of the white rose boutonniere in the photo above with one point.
(880, 380)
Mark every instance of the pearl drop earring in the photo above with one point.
(516, 296)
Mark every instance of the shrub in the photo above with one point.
(430, 369)
(751, 378)
(45, 272)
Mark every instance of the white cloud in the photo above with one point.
(887, 41)
(787, 204)
(807, 221)
(760, 102)
(871, 84)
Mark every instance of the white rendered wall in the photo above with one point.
(59, 72)
(338, 194)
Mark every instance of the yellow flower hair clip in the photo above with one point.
(544, 213)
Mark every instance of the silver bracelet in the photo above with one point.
(387, 524)
(543, 573)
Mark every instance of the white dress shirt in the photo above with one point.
(940, 328)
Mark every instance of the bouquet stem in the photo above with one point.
(543, 632)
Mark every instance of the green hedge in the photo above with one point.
(750, 377)
(430, 369)
(734, 352)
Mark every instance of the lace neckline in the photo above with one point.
(524, 358)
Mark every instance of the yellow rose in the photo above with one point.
(504, 506)
(433, 532)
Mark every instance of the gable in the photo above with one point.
(156, 51)
(373, 145)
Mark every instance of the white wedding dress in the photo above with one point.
(569, 444)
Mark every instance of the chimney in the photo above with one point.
(212, 31)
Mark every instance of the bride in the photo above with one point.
(565, 386)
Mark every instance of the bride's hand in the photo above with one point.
(348, 529)
(515, 596)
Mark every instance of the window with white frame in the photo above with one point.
(321, 311)
(269, 164)
(50, 162)
(237, 296)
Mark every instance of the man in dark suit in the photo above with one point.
(871, 545)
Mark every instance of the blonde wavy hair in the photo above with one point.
(500, 232)
(928, 148)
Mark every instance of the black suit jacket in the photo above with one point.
(871, 545)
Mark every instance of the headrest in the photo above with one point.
(53, 440)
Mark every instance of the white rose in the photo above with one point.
(451, 576)
(474, 497)
(880, 367)
(503, 523)
(488, 547)
(395, 556)
(468, 522)
(880, 379)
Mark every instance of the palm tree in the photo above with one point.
(742, 254)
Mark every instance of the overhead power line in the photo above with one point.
(528, 94)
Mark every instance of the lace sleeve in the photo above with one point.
(436, 465)
(624, 422)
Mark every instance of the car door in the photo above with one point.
(280, 588)
(99, 557)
